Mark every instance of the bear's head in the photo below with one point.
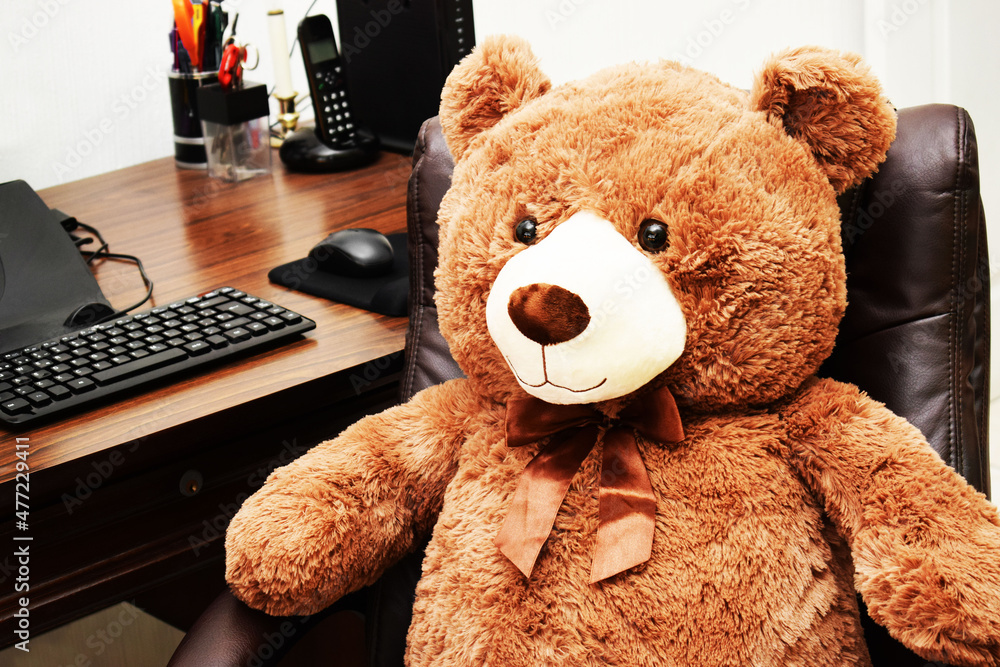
(650, 224)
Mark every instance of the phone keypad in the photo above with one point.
(333, 105)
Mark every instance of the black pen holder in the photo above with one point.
(189, 142)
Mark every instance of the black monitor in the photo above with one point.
(43, 277)
(396, 55)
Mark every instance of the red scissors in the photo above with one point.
(234, 61)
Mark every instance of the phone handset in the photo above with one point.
(335, 124)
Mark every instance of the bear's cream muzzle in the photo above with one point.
(583, 315)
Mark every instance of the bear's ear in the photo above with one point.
(832, 103)
(499, 76)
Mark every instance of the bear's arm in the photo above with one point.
(926, 545)
(332, 521)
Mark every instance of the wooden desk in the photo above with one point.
(127, 498)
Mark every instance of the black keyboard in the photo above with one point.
(92, 364)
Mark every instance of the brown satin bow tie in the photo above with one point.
(627, 506)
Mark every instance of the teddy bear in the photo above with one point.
(640, 274)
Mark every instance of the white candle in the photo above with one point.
(279, 52)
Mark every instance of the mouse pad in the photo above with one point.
(385, 294)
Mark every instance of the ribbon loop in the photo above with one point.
(627, 505)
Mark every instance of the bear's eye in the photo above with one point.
(526, 231)
(653, 235)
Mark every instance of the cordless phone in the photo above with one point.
(338, 141)
(334, 120)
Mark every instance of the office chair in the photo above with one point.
(915, 336)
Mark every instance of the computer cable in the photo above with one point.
(71, 224)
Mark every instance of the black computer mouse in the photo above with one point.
(358, 253)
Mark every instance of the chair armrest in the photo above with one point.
(231, 634)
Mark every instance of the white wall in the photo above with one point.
(85, 92)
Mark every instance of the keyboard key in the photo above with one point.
(217, 341)
(290, 317)
(63, 378)
(237, 335)
(134, 368)
(257, 329)
(232, 324)
(197, 348)
(15, 406)
(139, 354)
(238, 309)
(81, 385)
(59, 392)
(6, 396)
(211, 303)
(39, 399)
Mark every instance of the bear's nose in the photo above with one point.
(548, 314)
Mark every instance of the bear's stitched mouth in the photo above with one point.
(546, 381)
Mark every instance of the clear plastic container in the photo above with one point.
(236, 130)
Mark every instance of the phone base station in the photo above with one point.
(303, 150)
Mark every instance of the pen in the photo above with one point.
(183, 15)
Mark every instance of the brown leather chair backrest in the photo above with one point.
(916, 332)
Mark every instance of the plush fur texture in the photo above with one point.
(787, 495)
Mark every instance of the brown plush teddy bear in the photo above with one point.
(640, 274)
